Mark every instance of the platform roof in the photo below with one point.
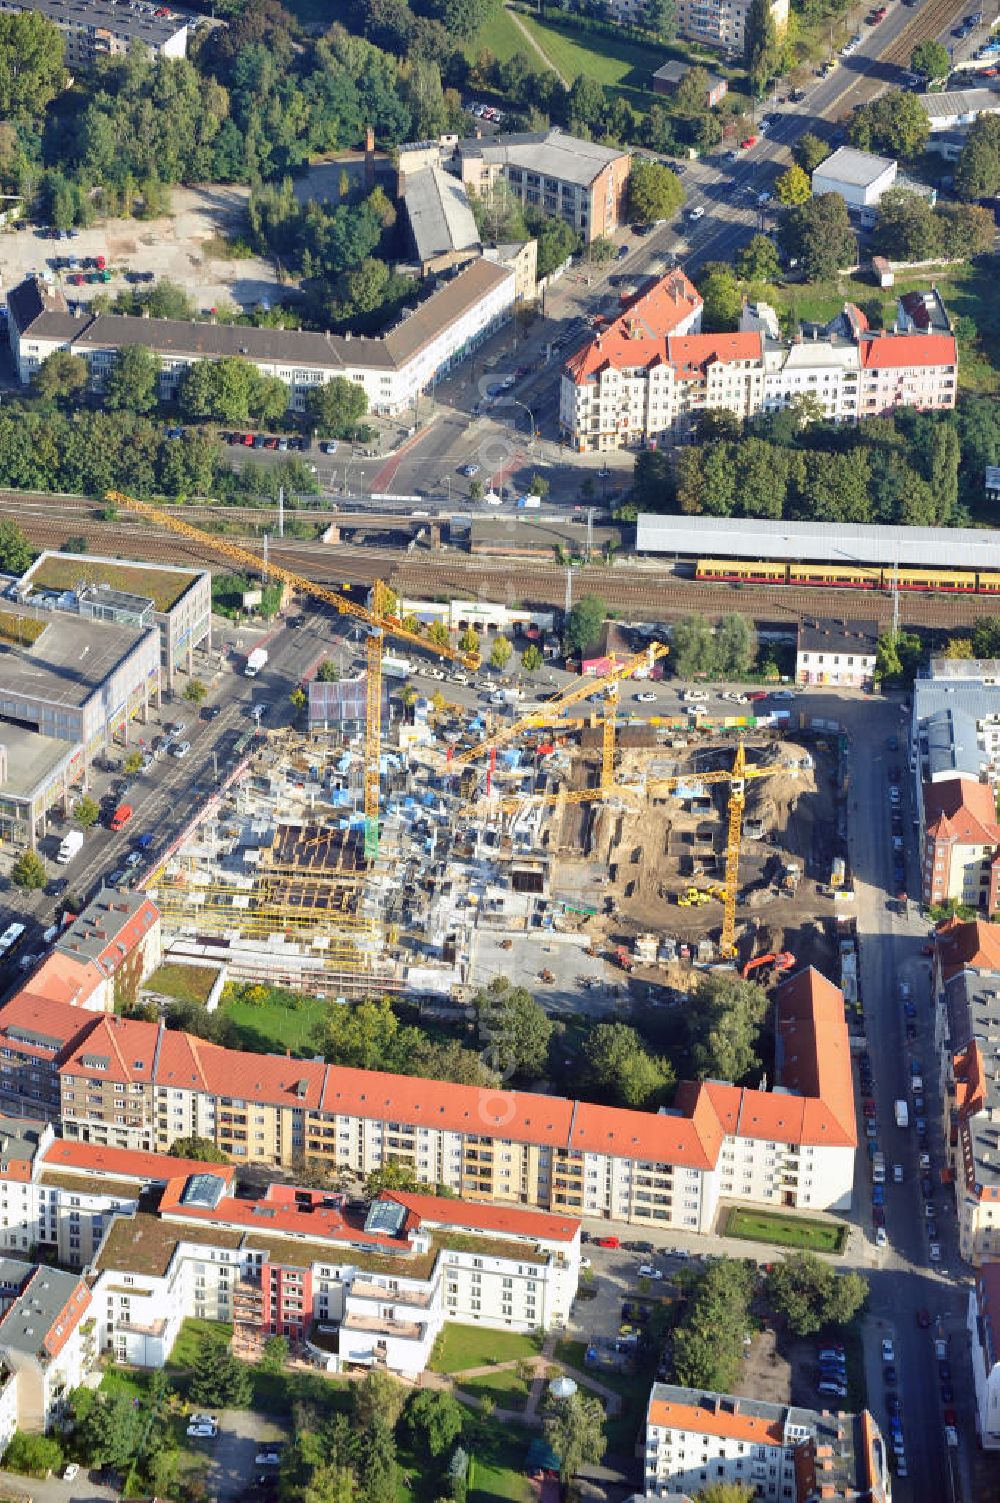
(819, 542)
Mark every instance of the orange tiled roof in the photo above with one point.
(962, 943)
(30, 1015)
(125, 1163)
(903, 351)
(961, 809)
(637, 336)
(715, 1420)
(439, 1210)
(63, 978)
(692, 354)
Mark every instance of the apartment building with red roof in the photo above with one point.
(961, 845)
(643, 380)
(125, 1084)
(697, 1439)
(47, 1345)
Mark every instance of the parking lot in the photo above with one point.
(186, 246)
(233, 1471)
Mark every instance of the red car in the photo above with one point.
(923, 1319)
(100, 262)
(247, 439)
(746, 144)
(878, 1216)
(78, 279)
(869, 1109)
(608, 1242)
(756, 695)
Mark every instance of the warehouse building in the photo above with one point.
(859, 177)
(178, 601)
(690, 538)
(394, 368)
(69, 689)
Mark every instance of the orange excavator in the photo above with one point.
(783, 961)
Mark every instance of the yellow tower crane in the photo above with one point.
(553, 708)
(380, 623)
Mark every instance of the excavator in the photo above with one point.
(783, 961)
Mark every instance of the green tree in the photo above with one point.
(274, 1354)
(758, 261)
(907, 228)
(809, 151)
(722, 1028)
(986, 637)
(31, 66)
(112, 1432)
(515, 1027)
(708, 1344)
(967, 230)
(337, 407)
(132, 763)
(15, 551)
(327, 672)
(736, 645)
(694, 648)
(469, 640)
(958, 647)
(28, 871)
(898, 657)
(195, 691)
(622, 1067)
(438, 633)
(653, 480)
(434, 1421)
(377, 1396)
(977, 171)
(812, 1295)
(360, 1034)
(574, 1428)
(393, 1175)
(133, 383)
(725, 1492)
(86, 812)
(660, 17)
(762, 46)
(538, 486)
(722, 295)
(819, 234)
(500, 652)
(61, 377)
(34, 1455)
(931, 58)
(793, 186)
(201, 1149)
(584, 622)
(654, 191)
(531, 658)
(219, 1379)
(896, 123)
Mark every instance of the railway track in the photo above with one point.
(926, 24)
(644, 592)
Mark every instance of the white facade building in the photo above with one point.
(859, 177)
(717, 23)
(984, 1317)
(421, 347)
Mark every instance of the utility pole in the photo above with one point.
(281, 511)
(590, 532)
(569, 591)
(895, 600)
(264, 570)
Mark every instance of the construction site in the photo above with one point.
(568, 846)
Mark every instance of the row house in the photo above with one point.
(697, 1440)
(136, 1085)
(642, 381)
(960, 857)
(352, 1288)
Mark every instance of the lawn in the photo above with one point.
(185, 983)
(164, 587)
(461, 1347)
(284, 1021)
(500, 36)
(192, 1332)
(504, 1387)
(497, 1455)
(786, 1231)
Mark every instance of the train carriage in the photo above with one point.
(834, 576)
(742, 570)
(954, 581)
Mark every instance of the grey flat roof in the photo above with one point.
(71, 659)
(35, 1311)
(32, 759)
(550, 152)
(672, 72)
(857, 168)
(825, 634)
(450, 299)
(126, 20)
(437, 207)
(960, 102)
(946, 715)
(100, 923)
(820, 542)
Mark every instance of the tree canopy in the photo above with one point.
(723, 1025)
(895, 124)
(654, 191)
(811, 1295)
(584, 622)
(624, 1070)
(514, 1029)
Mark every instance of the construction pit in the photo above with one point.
(528, 871)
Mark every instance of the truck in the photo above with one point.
(71, 844)
(878, 1169)
(902, 1114)
(255, 662)
(393, 667)
(528, 503)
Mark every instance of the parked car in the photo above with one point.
(888, 1350)
(647, 1271)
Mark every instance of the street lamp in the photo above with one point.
(531, 417)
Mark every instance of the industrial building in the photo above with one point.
(581, 181)
(394, 368)
(177, 600)
(819, 542)
(859, 177)
(69, 690)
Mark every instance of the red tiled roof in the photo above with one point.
(692, 354)
(971, 943)
(816, 1056)
(637, 336)
(438, 1210)
(714, 1419)
(519, 1115)
(125, 1163)
(904, 351)
(126, 1048)
(52, 1020)
(63, 978)
(67, 1320)
(660, 1137)
(961, 809)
